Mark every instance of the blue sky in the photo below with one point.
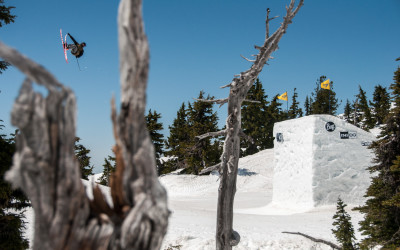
(196, 45)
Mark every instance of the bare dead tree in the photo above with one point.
(45, 168)
(226, 237)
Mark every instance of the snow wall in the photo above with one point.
(319, 158)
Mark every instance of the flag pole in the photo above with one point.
(325, 85)
(287, 105)
(329, 100)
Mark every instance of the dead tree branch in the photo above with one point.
(226, 86)
(267, 20)
(223, 133)
(217, 101)
(45, 167)
(226, 237)
(211, 134)
(210, 169)
(249, 60)
(246, 137)
(251, 101)
(222, 101)
(334, 246)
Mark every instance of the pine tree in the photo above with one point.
(343, 231)
(381, 224)
(155, 127)
(202, 119)
(5, 18)
(177, 141)
(348, 111)
(294, 110)
(307, 106)
(82, 155)
(357, 115)
(11, 223)
(324, 100)
(366, 117)
(108, 169)
(380, 103)
(255, 120)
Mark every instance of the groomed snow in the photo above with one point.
(193, 203)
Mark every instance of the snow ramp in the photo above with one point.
(319, 158)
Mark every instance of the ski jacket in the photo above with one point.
(76, 48)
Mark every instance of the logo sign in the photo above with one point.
(352, 135)
(330, 126)
(348, 135)
(366, 143)
(279, 137)
(344, 135)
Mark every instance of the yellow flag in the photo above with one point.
(325, 84)
(283, 96)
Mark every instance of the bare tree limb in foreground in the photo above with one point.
(334, 246)
(226, 237)
(45, 167)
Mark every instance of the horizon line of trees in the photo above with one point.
(181, 150)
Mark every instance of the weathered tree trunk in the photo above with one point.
(226, 237)
(45, 167)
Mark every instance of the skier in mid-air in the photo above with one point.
(76, 48)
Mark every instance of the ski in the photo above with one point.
(64, 45)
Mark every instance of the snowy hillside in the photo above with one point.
(193, 203)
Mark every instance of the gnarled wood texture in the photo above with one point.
(45, 167)
(226, 237)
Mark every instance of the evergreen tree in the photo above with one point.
(348, 111)
(381, 224)
(343, 231)
(294, 110)
(5, 18)
(380, 104)
(82, 155)
(11, 223)
(202, 119)
(155, 127)
(108, 169)
(307, 106)
(357, 115)
(324, 100)
(255, 120)
(177, 142)
(366, 117)
(276, 114)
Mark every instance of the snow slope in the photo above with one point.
(193, 203)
